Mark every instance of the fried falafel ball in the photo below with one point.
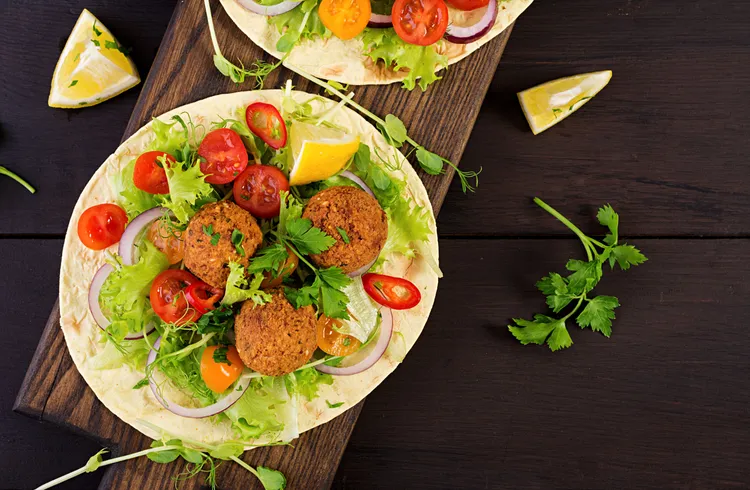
(208, 256)
(275, 338)
(359, 215)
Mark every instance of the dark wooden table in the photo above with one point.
(662, 404)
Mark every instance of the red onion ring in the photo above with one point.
(96, 310)
(367, 357)
(202, 412)
(349, 175)
(127, 246)
(380, 20)
(466, 34)
(269, 10)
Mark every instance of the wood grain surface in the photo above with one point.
(179, 76)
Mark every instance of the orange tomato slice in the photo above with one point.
(332, 342)
(345, 18)
(167, 240)
(218, 375)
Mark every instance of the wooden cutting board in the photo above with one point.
(441, 119)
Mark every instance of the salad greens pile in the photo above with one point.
(599, 311)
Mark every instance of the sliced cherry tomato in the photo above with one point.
(168, 240)
(468, 4)
(421, 22)
(220, 370)
(149, 174)
(203, 297)
(332, 342)
(292, 261)
(168, 297)
(393, 292)
(224, 156)
(345, 18)
(258, 189)
(102, 225)
(267, 124)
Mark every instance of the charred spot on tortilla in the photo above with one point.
(209, 260)
(359, 216)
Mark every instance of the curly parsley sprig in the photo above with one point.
(598, 312)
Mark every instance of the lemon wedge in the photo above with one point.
(92, 67)
(318, 152)
(549, 103)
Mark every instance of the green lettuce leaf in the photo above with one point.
(188, 191)
(300, 23)
(262, 410)
(183, 370)
(306, 382)
(239, 289)
(132, 353)
(168, 137)
(421, 61)
(133, 200)
(124, 295)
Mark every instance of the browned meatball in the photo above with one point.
(211, 262)
(360, 217)
(275, 339)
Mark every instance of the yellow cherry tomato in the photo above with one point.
(332, 342)
(220, 371)
(345, 18)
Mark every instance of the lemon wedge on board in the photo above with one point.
(92, 68)
(549, 103)
(318, 152)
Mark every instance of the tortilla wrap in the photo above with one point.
(114, 386)
(343, 61)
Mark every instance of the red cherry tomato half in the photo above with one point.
(267, 124)
(149, 174)
(468, 4)
(393, 292)
(168, 298)
(421, 22)
(102, 225)
(203, 297)
(224, 156)
(258, 189)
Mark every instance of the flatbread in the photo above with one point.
(343, 61)
(114, 386)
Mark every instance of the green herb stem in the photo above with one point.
(14, 176)
(578, 305)
(584, 239)
(245, 465)
(214, 41)
(82, 470)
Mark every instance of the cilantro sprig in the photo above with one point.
(599, 311)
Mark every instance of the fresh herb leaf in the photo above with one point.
(334, 405)
(344, 236)
(271, 479)
(237, 238)
(140, 384)
(307, 239)
(220, 356)
(97, 32)
(394, 130)
(115, 45)
(96, 43)
(430, 162)
(220, 320)
(95, 461)
(73, 83)
(269, 259)
(560, 291)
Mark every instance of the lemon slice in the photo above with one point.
(549, 103)
(318, 152)
(92, 67)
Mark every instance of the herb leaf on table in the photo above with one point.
(599, 311)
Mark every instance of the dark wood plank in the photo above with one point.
(176, 80)
(662, 404)
(664, 142)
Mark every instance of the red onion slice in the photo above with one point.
(362, 270)
(202, 412)
(380, 20)
(96, 310)
(367, 357)
(466, 34)
(349, 175)
(127, 246)
(269, 10)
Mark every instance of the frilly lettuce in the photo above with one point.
(188, 191)
(421, 61)
(239, 289)
(264, 410)
(306, 382)
(302, 22)
(124, 295)
(133, 200)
